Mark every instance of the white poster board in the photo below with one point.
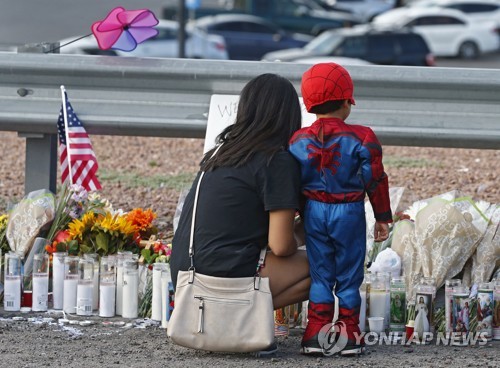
(222, 113)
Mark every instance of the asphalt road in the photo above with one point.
(35, 21)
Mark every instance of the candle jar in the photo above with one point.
(449, 288)
(379, 294)
(461, 312)
(107, 287)
(70, 283)
(120, 258)
(167, 296)
(485, 310)
(156, 297)
(363, 291)
(58, 279)
(95, 296)
(85, 288)
(12, 282)
(496, 308)
(40, 282)
(398, 304)
(130, 300)
(424, 304)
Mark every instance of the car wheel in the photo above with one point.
(468, 50)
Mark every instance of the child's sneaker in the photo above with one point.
(318, 315)
(349, 319)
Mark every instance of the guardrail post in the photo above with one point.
(41, 149)
(41, 162)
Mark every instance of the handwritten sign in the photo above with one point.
(222, 113)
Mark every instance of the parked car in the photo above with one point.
(363, 9)
(332, 59)
(476, 10)
(448, 32)
(400, 47)
(303, 16)
(199, 45)
(248, 37)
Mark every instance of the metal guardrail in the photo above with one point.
(406, 106)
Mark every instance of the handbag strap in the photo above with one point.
(262, 256)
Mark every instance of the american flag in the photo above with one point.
(83, 161)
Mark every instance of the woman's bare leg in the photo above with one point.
(288, 277)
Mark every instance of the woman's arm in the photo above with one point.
(281, 232)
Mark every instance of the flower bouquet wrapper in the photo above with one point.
(28, 218)
(446, 238)
(487, 254)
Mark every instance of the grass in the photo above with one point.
(131, 179)
(405, 162)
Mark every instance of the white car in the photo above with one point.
(332, 59)
(448, 32)
(199, 45)
(476, 10)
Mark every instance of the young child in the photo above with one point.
(339, 164)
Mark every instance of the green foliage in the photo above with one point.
(131, 179)
(149, 256)
(402, 162)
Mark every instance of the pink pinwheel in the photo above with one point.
(125, 29)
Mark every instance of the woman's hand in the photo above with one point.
(281, 232)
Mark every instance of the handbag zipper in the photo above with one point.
(201, 306)
(214, 299)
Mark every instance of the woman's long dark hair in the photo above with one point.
(268, 115)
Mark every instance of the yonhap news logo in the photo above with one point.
(426, 338)
(333, 338)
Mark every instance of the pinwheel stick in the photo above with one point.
(67, 43)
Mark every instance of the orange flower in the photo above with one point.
(142, 220)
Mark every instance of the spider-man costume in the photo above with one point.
(340, 163)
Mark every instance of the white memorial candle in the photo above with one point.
(378, 303)
(156, 302)
(69, 294)
(130, 294)
(40, 292)
(58, 279)
(362, 311)
(164, 302)
(119, 289)
(95, 297)
(84, 296)
(107, 299)
(12, 293)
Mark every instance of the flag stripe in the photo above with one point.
(82, 159)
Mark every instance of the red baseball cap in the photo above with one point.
(326, 82)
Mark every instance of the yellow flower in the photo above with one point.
(116, 224)
(77, 228)
(3, 220)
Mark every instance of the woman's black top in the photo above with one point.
(232, 218)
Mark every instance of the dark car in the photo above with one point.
(248, 37)
(304, 16)
(383, 47)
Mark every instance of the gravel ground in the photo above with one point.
(28, 344)
(150, 173)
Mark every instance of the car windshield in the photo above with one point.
(324, 43)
